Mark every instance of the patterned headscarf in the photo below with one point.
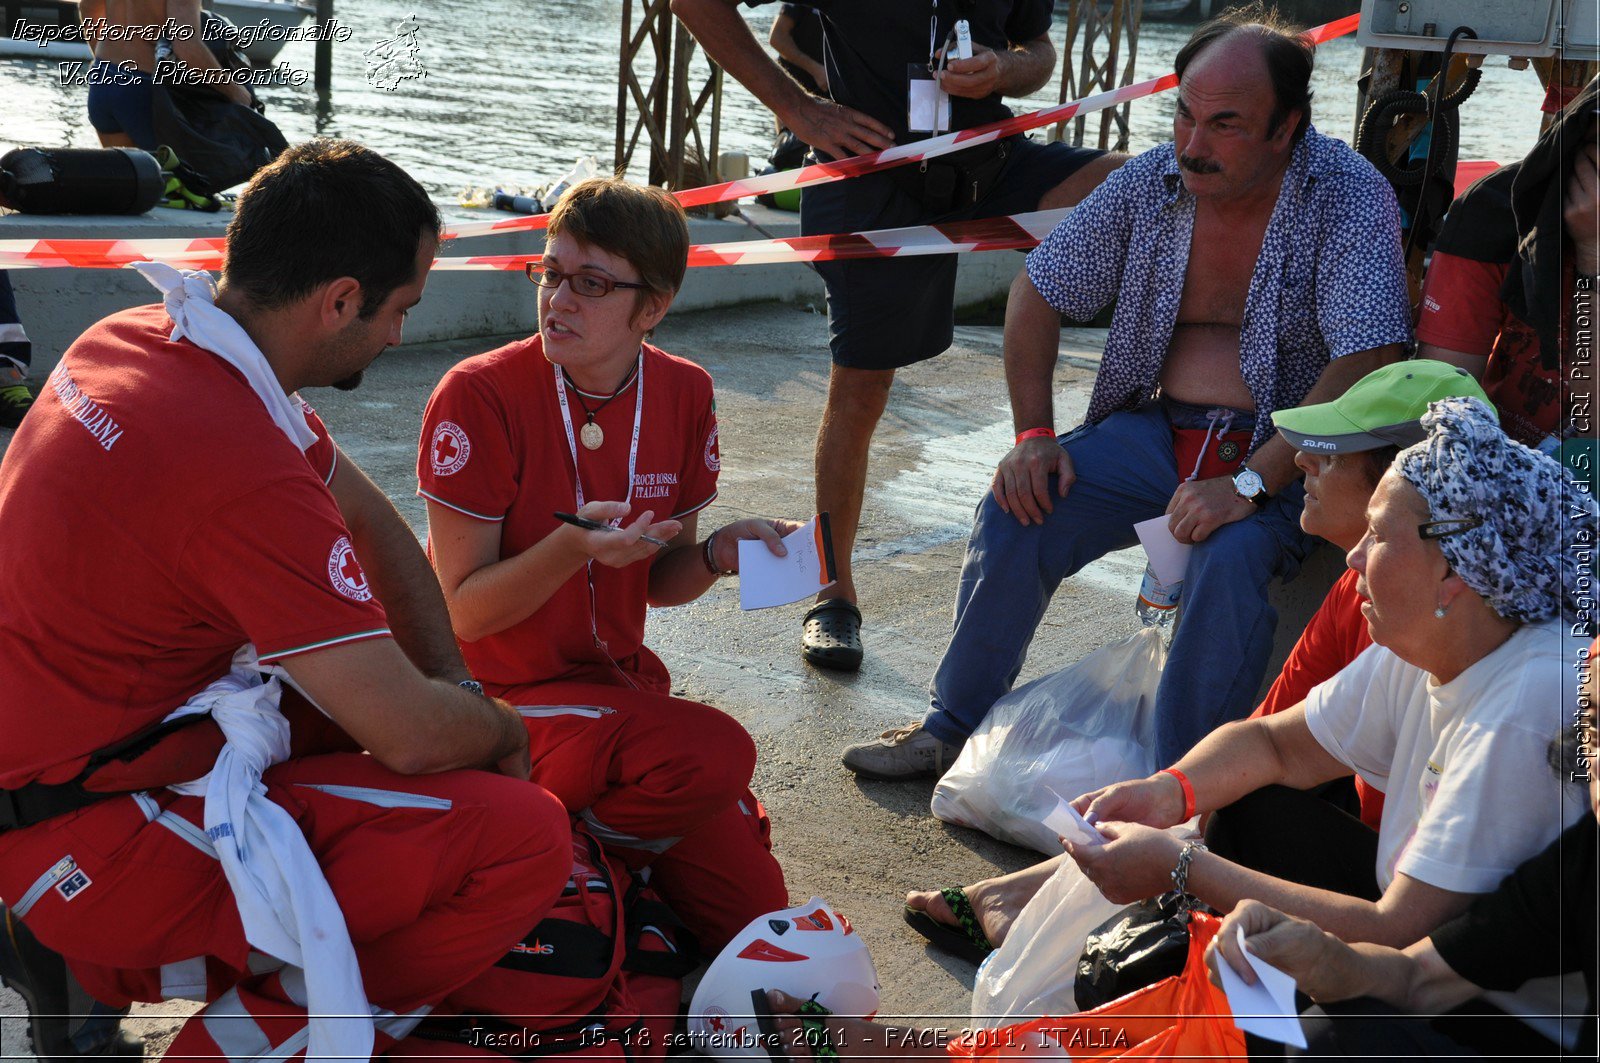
(1519, 559)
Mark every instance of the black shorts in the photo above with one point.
(885, 314)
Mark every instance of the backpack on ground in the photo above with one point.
(600, 976)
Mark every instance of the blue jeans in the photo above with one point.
(1125, 473)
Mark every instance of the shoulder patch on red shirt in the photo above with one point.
(713, 453)
(345, 572)
(449, 449)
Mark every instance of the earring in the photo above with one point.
(1439, 612)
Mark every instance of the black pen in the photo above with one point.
(593, 525)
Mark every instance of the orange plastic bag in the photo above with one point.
(1183, 1016)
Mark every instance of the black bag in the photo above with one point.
(956, 181)
(1137, 947)
(222, 142)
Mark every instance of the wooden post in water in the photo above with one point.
(323, 74)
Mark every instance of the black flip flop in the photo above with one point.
(830, 635)
(813, 1028)
(966, 941)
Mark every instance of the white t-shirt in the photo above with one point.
(1464, 765)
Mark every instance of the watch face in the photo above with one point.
(1249, 483)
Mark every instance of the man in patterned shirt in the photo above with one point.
(1255, 265)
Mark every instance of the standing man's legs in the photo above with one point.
(885, 315)
(856, 401)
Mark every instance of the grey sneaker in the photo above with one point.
(907, 752)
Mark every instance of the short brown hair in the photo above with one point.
(640, 223)
(322, 210)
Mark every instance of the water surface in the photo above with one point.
(516, 91)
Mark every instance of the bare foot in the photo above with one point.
(996, 901)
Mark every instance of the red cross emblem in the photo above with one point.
(449, 448)
(345, 573)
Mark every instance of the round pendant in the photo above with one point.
(591, 436)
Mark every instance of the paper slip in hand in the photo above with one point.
(765, 579)
(1066, 822)
(1168, 557)
(1265, 1009)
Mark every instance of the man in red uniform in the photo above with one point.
(169, 501)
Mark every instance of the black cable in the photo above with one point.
(1435, 99)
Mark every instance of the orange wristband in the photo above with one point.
(1188, 791)
(1035, 433)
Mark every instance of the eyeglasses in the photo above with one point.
(588, 285)
(1438, 529)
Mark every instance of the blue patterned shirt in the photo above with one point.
(1329, 280)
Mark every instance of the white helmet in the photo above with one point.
(809, 951)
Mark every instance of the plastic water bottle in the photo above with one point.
(1158, 602)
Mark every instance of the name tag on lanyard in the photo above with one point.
(927, 105)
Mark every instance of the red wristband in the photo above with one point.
(1188, 791)
(1035, 433)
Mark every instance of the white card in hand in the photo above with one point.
(1066, 822)
(1265, 1009)
(1168, 557)
(765, 579)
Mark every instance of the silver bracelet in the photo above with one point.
(1180, 874)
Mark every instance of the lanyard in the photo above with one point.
(577, 480)
(572, 443)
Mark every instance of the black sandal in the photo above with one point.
(831, 635)
(967, 941)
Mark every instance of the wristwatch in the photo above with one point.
(1248, 485)
(471, 686)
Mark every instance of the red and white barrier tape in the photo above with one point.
(986, 234)
(901, 154)
(203, 253)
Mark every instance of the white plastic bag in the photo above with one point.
(1089, 725)
(1033, 972)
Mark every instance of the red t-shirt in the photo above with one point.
(156, 520)
(494, 447)
(1462, 311)
(1335, 636)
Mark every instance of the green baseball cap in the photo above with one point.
(1382, 409)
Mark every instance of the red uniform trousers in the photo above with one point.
(437, 876)
(665, 783)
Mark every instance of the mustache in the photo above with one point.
(1194, 165)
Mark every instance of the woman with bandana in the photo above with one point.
(1470, 571)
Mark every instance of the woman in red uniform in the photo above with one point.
(586, 417)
